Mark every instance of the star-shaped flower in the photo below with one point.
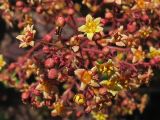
(138, 54)
(27, 36)
(153, 52)
(91, 27)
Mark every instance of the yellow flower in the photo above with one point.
(112, 84)
(2, 62)
(84, 75)
(99, 116)
(79, 99)
(86, 78)
(139, 55)
(107, 67)
(145, 31)
(58, 108)
(91, 27)
(27, 37)
(153, 52)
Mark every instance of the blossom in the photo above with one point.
(113, 84)
(91, 27)
(79, 99)
(106, 68)
(145, 32)
(2, 62)
(153, 52)
(27, 36)
(99, 116)
(138, 54)
(119, 38)
(58, 108)
(86, 78)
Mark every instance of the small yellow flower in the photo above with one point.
(84, 75)
(145, 32)
(112, 85)
(107, 67)
(153, 52)
(58, 108)
(139, 55)
(79, 99)
(27, 37)
(86, 78)
(2, 62)
(99, 116)
(91, 27)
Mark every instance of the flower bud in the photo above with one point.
(108, 15)
(47, 38)
(20, 25)
(12, 66)
(131, 27)
(145, 18)
(19, 4)
(60, 21)
(56, 59)
(70, 11)
(49, 63)
(39, 9)
(52, 73)
(26, 10)
(25, 96)
(105, 50)
(46, 49)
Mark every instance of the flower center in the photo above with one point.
(86, 77)
(91, 27)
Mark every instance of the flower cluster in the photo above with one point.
(83, 64)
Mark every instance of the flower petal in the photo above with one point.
(97, 21)
(90, 36)
(23, 45)
(133, 50)
(20, 37)
(82, 28)
(121, 44)
(89, 18)
(79, 73)
(99, 29)
(31, 43)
